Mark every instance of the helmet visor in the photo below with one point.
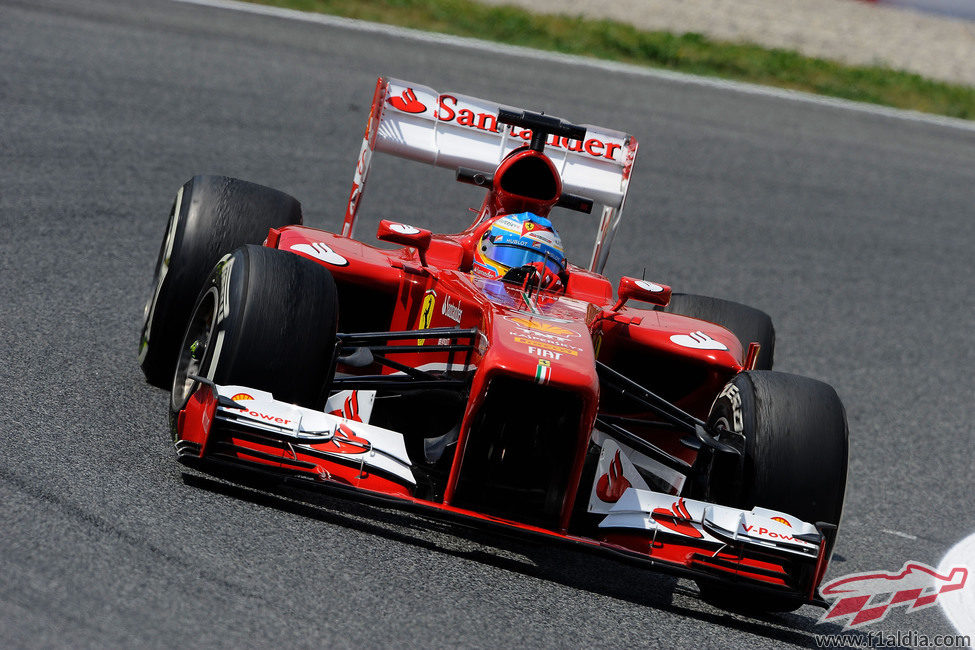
(514, 255)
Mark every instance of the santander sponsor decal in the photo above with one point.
(407, 102)
(350, 410)
(649, 286)
(321, 251)
(449, 109)
(611, 485)
(345, 441)
(677, 519)
(698, 341)
(615, 474)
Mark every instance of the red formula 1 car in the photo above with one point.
(480, 375)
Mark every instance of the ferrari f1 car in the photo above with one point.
(481, 376)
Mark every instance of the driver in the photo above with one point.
(522, 248)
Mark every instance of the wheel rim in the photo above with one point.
(196, 352)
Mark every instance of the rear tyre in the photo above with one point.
(265, 319)
(211, 216)
(793, 435)
(746, 323)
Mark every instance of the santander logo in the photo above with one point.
(649, 286)
(615, 477)
(347, 442)
(404, 229)
(612, 484)
(698, 341)
(350, 410)
(408, 103)
(321, 251)
(449, 109)
(677, 519)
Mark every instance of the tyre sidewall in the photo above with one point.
(158, 302)
(793, 436)
(733, 409)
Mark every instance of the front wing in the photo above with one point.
(759, 549)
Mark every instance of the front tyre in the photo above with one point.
(211, 216)
(793, 435)
(265, 319)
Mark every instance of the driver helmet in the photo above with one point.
(514, 240)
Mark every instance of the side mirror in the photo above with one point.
(400, 233)
(643, 290)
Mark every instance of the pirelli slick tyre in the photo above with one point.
(211, 216)
(746, 323)
(793, 437)
(265, 319)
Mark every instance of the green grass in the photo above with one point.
(690, 52)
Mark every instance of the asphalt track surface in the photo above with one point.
(853, 230)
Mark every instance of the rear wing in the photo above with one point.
(452, 131)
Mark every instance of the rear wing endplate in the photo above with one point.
(452, 131)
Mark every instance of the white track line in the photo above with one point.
(581, 61)
(959, 606)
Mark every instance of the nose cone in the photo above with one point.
(547, 350)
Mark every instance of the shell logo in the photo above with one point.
(782, 520)
(241, 397)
